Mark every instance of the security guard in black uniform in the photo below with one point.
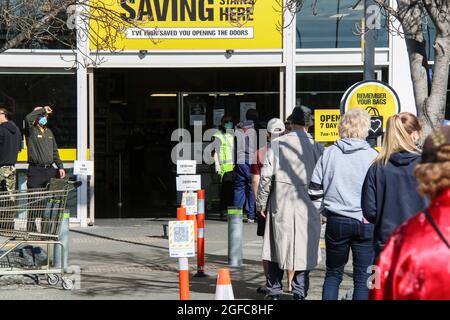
(42, 149)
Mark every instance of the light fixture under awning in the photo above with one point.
(163, 95)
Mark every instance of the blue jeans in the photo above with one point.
(341, 235)
(243, 194)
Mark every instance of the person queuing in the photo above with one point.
(246, 146)
(336, 185)
(224, 163)
(389, 194)
(414, 264)
(292, 232)
(275, 128)
(10, 146)
(42, 149)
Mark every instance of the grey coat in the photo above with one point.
(292, 232)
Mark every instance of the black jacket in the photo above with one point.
(41, 143)
(10, 143)
(389, 195)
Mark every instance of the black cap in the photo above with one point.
(300, 117)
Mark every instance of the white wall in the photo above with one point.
(399, 73)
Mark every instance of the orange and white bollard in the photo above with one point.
(193, 217)
(183, 263)
(184, 278)
(201, 234)
(181, 213)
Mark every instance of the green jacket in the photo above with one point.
(41, 143)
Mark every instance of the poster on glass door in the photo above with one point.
(197, 112)
(244, 107)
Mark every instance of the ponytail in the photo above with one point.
(398, 136)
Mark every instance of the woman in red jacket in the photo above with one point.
(415, 263)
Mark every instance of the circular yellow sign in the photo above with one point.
(377, 97)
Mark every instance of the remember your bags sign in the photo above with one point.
(378, 98)
(192, 24)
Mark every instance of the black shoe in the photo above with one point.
(262, 290)
(298, 297)
(273, 297)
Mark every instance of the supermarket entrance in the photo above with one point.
(137, 110)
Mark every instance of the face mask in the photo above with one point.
(43, 121)
(228, 125)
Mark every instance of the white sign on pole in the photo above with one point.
(189, 201)
(83, 168)
(189, 183)
(186, 167)
(181, 239)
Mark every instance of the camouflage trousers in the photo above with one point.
(7, 178)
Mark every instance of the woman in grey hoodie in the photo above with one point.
(335, 189)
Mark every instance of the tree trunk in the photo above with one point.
(436, 103)
(418, 63)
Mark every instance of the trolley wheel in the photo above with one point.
(52, 279)
(67, 284)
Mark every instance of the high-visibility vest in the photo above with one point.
(225, 152)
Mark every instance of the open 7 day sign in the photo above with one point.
(326, 124)
(192, 24)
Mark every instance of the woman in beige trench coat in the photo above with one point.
(292, 233)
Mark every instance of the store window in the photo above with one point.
(23, 15)
(21, 93)
(324, 90)
(429, 33)
(335, 25)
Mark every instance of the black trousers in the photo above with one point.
(227, 191)
(39, 177)
(300, 282)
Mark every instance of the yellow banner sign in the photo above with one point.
(378, 98)
(65, 155)
(185, 24)
(326, 124)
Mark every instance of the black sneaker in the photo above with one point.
(262, 290)
(298, 297)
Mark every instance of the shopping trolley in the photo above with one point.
(33, 217)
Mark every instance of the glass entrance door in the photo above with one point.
(208, 108)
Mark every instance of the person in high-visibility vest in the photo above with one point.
(224, 162)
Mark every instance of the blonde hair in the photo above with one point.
(354, 124)
(398, 136)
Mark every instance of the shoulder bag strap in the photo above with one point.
(430, 219)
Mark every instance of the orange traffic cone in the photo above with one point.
(224, 290)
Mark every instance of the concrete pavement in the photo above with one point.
(129, 259)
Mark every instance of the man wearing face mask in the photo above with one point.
(224, 163)
(42, 149)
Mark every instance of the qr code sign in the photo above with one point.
(181, 239)
(180, 233)
(191, 201)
